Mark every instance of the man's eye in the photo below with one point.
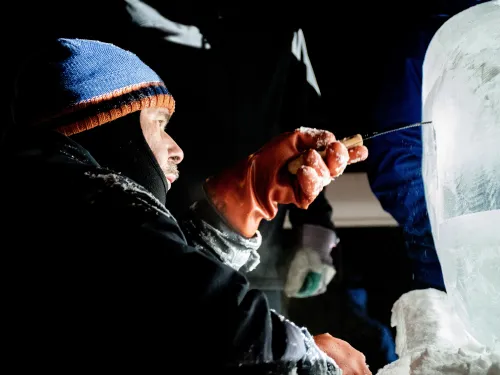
(163, 124)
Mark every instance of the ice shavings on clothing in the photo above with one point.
(125, 184)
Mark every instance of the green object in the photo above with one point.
(310, 285)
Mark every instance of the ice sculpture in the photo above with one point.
(461, 163)
(458, 332)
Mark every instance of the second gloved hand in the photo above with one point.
(253, 188)
(350, 360)
(311, 268)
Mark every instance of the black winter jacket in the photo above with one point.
(100, 276)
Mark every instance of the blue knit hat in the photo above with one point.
(74, 85)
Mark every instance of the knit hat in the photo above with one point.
(74, 85)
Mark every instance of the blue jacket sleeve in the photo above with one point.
(395, 163)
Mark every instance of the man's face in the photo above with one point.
(168, 154)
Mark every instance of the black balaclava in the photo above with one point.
(120, 146)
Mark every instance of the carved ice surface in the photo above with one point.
(461, 163)
(459, 332)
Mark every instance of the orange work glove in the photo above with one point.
(252, 189)
(347, 358)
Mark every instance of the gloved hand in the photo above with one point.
(311, 268)
(351, 361)
(252, 189)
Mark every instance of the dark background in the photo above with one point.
(348, 41)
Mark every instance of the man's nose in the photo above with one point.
(175, 153)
